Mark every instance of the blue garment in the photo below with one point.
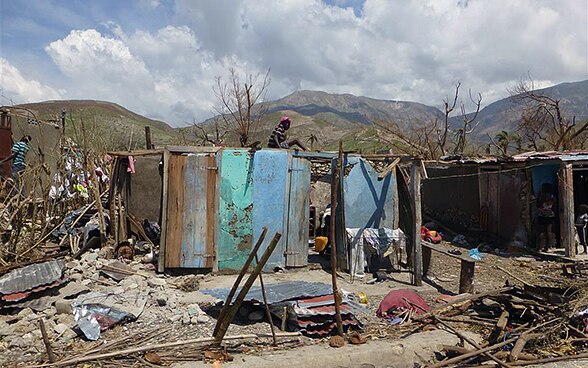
(20, 149)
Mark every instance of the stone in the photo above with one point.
(50, 312)
(186, 319)
(31, 317)
(194, 310)
(336, 341)
(24, 312)
(156, 281)
(203, 318)
(67, 319)
(76, 277)
(69, 334)
(6, 329)
(175, 318)
(90, 257)
(63, 306)
(160, 299)
(86, 282)
(72, 264)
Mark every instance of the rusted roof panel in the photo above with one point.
(31, 276)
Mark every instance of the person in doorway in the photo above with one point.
(582, 225)
(545, 217)
(18, 156)
(278, 137)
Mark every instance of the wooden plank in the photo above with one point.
(175, 210)
(193, 213)
(566, 209)
(466, 277)
(211, 209)
(162, 242)
(441, 249)
(417, 250)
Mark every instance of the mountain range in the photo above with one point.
(326, 117)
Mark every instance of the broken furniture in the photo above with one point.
(466, 278)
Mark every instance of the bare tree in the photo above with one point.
(239, 102)
(433, 139)
(468, 120)
(543, 122)
(216, 137)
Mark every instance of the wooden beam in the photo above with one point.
(417, 250)
(389, 168)
(148, 144)
(161, 259)
(334, 210)
(566, 210)
(466, 277)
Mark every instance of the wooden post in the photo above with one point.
(164, 190)
(268, 314)
(566, 209)
(46, 341)
(148, 144)
(466, 277)
(244, 270)
(417, 250)
(334, 210)
(223, 324)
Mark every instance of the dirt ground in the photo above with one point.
(168, 316)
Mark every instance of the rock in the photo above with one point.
(90, 257)
(50, 312)
(203, 318)
(86, 282)
(174, 318)
(186, 319)
(60, 328)
(189, 283)
(76, 277)
(24, 312)
(63, 306)
(69, 334)
(106, 252)
(72, 264)
(6, 329)
(67, 319)
(156, 281)
(194, 310)
(31, 317)
(194, 320)
(160, 299)
(336, 341)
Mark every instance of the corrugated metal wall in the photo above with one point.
(264, 188)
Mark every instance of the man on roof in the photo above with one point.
(278, 137)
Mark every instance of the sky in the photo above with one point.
(161, 58)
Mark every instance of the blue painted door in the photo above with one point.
(270, 181)
(298, 213)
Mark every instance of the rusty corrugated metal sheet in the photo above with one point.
(5, 143)
(235, 231)
(31, 276)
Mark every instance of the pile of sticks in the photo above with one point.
(521, 325)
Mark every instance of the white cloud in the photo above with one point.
(403, 50)
(17, 89)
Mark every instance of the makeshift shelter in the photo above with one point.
(507, 189)
(216, 201)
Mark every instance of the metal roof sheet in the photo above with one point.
(31, 276)
(278, 292)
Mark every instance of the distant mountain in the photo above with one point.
(318, 117)
(109, 126)
(504, 114)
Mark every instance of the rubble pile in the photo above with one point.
(78, 300)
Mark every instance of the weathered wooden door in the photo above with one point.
(298, 213)
(191, 227)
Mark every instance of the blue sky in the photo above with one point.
(160, 58)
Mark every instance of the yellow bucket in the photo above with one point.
(363, 298)
(320, 242)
